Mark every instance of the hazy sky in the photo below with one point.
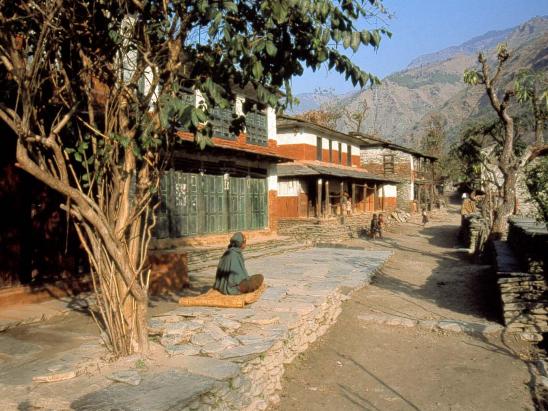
(425, 26)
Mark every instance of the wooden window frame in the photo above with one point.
(388, 163)
(340, 152)
(319, 149)
(349, 155)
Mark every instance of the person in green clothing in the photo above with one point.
(232, 277)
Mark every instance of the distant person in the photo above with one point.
(425, 218)
(382, 224)
(375, 230)
(468, 205)
(232, 277)
(348, 204)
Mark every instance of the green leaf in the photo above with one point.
(230, 6)
(347, 38)
(365, 37)
(257, 70)
(271, 49)
(355, 41)
(78, 157)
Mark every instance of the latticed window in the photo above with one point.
(256, 128)
(221, 118)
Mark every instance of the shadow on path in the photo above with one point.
(454, 282)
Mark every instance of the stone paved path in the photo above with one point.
(423, 336)
(204, 358)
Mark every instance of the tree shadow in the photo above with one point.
(358, 399)
(455, 282)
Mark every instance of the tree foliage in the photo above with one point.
(537, 183)
(507, 154)
(94, 92)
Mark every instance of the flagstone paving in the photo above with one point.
(210, 358)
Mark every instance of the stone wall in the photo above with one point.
(474, 232)
(336, 229)
(521, 276)
(405, 194)
(529, 240)
(372, 160)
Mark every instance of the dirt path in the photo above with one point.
(387, 351)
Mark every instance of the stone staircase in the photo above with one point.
(204, 258)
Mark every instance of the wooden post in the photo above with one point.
(353, 197)
(319, 198)
(341, 195)
(327, 199)
(383, 204)
(365, 199)
(375, 197)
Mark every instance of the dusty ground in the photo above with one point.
(368, 365)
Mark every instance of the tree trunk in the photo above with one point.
(506, 207)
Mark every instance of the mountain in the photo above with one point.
(471, 103)
(311, 101)
(399, 108)
(472, 46)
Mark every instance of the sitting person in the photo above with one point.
(232, 277)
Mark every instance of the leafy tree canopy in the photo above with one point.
(95, 89)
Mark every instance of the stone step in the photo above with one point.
(212, 260)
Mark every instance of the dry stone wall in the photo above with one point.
(474, 232)
(521, 277)
(332, 230)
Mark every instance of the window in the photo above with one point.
(340, 153)
(256, 128)
(319, 150)
(330, 151)
(388, 162)
(349, 155)
(220, 120)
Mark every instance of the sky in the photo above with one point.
(424, 26)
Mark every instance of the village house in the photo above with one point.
(224, 188)
(326, 174)
(414, 170)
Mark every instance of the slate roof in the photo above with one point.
(297, 169)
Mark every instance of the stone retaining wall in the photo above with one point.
(336, 229)
(521, 276)
(473, 233)
(529, 239)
